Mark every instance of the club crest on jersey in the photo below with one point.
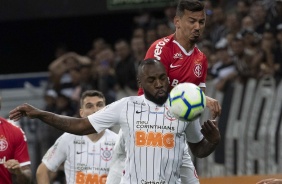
(3, 143)
(178, 56)
(169, 116)
(106, 154)
(198, 70)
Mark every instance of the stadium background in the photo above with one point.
(30, 32)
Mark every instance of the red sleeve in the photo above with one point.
(21, 148)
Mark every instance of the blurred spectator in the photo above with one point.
(144, 20)
(125, 70)
(232, 23)
(247, 23)
(151, 36)
(251, 40)
(266, 56)
(259, 14)
(242, 8)
(138, 32)
(98, 45)
(217, 29)
(103, 69)
(170, 12)
(277, 15)
(224, 70)
(138, 48)
(246, 69)
(163, 29)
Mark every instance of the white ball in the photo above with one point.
(186, 101)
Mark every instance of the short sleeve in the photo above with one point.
(21, 148)
(193, 131)
(56, 155)
(108, 116)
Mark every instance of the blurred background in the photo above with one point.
(52, 51)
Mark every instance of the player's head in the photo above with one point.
(90, 102)
(152, 78)
(190, 19)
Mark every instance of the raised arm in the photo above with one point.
(208, 144)
(78, 126)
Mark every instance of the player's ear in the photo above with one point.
(176, 21)
(81, 112)
(139, 83)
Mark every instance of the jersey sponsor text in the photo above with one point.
(154, 139)
(83, 178)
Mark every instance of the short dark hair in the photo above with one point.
(149, 61)
(91, 93)
(190, 5)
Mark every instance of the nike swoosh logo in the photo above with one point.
(138, 112)
(79, 152)
(174, 66)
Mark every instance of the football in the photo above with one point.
(186, 101)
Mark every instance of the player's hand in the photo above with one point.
(13, 166)
(211, 132)
(270, 181)
(23, 110)
(214, 107)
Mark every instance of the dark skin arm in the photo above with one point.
(78, 126)
(208, 144)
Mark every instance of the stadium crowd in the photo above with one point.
(241, 42)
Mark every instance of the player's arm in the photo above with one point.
(78, 126)
(213, 105)
(211, 139)
(43, 174)
(22, 173)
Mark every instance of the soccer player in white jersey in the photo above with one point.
(188, 172)
(86, 158)
(154, 139)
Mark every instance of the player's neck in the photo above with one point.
(95, 137)
(184, 42)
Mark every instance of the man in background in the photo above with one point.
(86, 158)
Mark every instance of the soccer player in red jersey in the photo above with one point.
(14, 157)
(183, 61)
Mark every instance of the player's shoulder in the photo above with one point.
(10, 125)
(199, 52)
(163, 42)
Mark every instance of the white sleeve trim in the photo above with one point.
(25, 163)
(202, 85)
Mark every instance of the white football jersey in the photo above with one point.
(154, 139)
(84, 160)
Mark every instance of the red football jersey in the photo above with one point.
(13, 145)
(181, 66)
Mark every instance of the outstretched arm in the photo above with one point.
(78, 126)
(208, 144)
